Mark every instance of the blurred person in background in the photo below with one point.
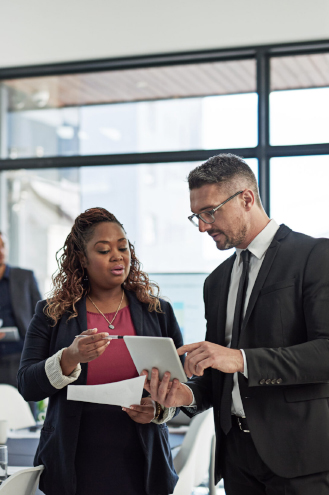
(19, 295)
(98, 448)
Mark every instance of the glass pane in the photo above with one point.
(38, 208)
(185, 293)
(299, 101)
(193, 106)
(152, 201)
(299, 191)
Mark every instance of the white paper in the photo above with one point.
(124, 393)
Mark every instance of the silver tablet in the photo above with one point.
(11, 334)
(155, 352)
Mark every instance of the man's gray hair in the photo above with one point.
(224, 169)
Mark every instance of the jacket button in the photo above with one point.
(262, 381)
(279, 380)
(268, 381)
(273, 381)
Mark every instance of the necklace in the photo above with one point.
(117, 311)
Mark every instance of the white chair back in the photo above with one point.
(14, 409)
(24, 482)
(193, 459)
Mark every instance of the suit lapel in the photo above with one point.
(264, 271)
(136, 312)
(82, 314)
(221, 299)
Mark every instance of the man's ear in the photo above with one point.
(248, 199)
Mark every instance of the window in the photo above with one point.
(124, 134)
(181, 107)
(299, 193)
(299, 100)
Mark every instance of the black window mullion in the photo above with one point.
(263, 90)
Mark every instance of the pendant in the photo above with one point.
(111, 326)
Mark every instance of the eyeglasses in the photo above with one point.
(208, 216)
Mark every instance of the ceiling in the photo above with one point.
(180, 81)
(116, 86)
(302, 71)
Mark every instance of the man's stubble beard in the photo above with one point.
(231, 241)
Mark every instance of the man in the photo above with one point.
(19, 294)
(264, 366)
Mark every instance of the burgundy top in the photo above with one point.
(115, 364)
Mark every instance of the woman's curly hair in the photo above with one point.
(70, 283)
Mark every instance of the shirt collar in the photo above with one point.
(260, 244)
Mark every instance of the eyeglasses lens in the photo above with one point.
(207, 217)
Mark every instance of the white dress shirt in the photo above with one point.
(258, 247)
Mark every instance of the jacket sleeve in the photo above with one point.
(33, 383)
(307, 362)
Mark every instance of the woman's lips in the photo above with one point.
(118, 270)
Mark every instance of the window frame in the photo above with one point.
(263, 152)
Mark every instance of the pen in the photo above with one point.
(108, 338)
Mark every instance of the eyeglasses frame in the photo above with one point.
(211, 212)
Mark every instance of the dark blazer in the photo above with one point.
(24, 295)
(285, 335)
(59, 436)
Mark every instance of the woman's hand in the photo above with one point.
(167, 393)
(83, 350)
(143, 413)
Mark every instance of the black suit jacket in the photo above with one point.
(24, 295)
(59, 436)
(285, 336)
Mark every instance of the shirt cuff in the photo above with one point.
(168, 414)
(55, 374)
(193, 403)
(245, 366)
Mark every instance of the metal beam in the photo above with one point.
(121, 159)
(263, 89)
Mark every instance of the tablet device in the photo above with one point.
(11, 334)
(155, 352)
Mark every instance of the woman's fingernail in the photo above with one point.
(123, 408)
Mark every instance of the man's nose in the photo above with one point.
(204, 227)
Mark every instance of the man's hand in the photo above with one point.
(169, 394)
(142, 413)
(202, 355)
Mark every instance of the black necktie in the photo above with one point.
(226, 402)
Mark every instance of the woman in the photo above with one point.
(95, 448)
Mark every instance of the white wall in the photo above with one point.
(49, 31)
